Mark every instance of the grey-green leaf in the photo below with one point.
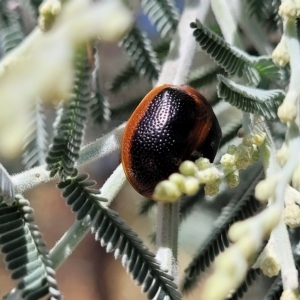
(251, 100)
(232, 60)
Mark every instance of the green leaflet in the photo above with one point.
(100, 107)
(251, 100)
(142, 56)
(162, 14)
(118, 237)
(67, 141)
(129, 74)
(233, 60)
(34, 150)
(25, 253)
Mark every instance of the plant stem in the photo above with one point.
(225, 19)
(167, 236)
(280, 234)
(97, 149)
(69, 241)
(175, 71)
(183, 46)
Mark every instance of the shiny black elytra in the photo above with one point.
(170, 125)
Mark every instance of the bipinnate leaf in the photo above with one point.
(251, 100)
(117, 237)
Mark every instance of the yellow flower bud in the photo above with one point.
(187, 168)
(287, 112)
(280, 54)
(258, 138)
(202, 163)
(166, 191)
(283, 154)
(291, 215)
(227, 160)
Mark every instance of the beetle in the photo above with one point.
(171, 124)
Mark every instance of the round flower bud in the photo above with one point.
(231, 149)
(177, 178)
(258, 138)
(247, 140)
(287, 112)
(208, 176)
(166, 191)
(212, 188)
(270, 266)
(265, 189)
(202, 163)
(283, 154)
(233, 179)
(291, 215)
(227, 160)
(280, 54)
(191, 185)
(187, 168)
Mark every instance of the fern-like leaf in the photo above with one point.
(67, 141)
(25, 253)
(11, 37)
(80, 196)
(100, 111)
(11, 31)
(258, 9)
(36, 140)
(275, 291)
(269, 73)
(7, 15)
(129, 74)
(251, 100)
(113, 233)
(237, 209)
(266, 12)
(259, 71)
(231, 59)
(162, 14)
(100, 108)
(142, 56)
(7, 193)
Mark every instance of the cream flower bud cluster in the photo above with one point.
(268, 260)
(49, 10)
(291, 215)
(280, 54)
(290, 9)
(192, 174)
(231, 265)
